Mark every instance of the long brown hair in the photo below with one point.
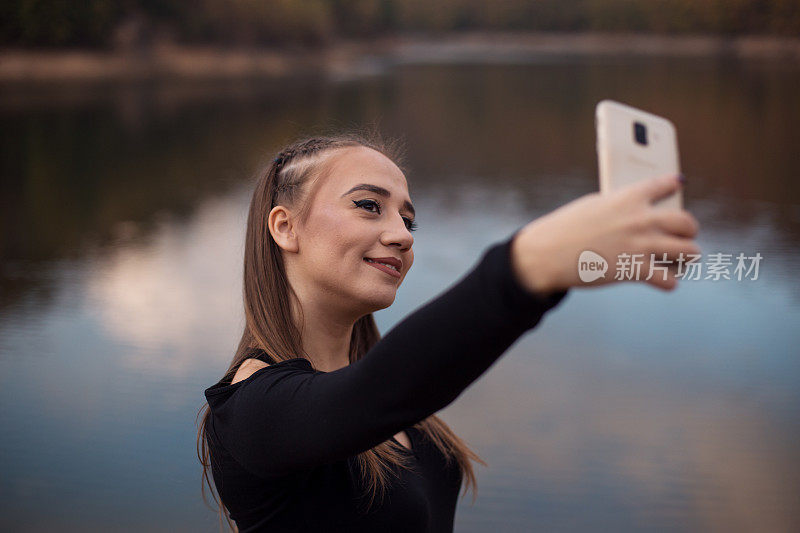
(269, 326)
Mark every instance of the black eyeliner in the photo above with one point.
(412, 224)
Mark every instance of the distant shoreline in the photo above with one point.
(342, 58)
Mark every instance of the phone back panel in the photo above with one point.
(622, 160)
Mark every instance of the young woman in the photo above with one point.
(320, 425)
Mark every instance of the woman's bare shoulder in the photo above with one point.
(247, 368)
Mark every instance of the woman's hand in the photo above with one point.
(544, 253)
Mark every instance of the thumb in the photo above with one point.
(655, 189)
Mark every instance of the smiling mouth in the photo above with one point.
(368, 260)
(384, 267)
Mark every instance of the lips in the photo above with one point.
(386, 264)
(396, 263)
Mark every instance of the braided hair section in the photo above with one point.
(288, 172)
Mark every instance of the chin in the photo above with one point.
(377, 302)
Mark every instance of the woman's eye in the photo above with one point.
(362, 203)
(410, 224)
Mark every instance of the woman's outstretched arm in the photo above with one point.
(287, 417)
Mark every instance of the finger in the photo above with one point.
(676, 222)
(672, 268)
(668, 284)
(661, 270)
(673, 247)
(662, 280)
(654, 189)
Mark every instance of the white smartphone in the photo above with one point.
(633, 145)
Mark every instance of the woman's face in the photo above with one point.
(347, 223)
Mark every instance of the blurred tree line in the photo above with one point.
(137, 23)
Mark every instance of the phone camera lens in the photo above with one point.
(640, 133)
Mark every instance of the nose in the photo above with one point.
(397, 234)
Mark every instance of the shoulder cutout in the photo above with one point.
(247, 368)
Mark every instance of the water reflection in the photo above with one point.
(566, 433)
(123, 211)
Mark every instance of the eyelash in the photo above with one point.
(410, 224)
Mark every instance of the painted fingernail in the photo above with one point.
(682, 178)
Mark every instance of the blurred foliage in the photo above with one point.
(105, 23)
(58, 22)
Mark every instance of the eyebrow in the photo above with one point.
(381, 191)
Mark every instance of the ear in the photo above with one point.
(281, 227)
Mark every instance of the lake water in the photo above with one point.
(122, 213)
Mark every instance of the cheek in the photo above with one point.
(410, 258)
(335, 237)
